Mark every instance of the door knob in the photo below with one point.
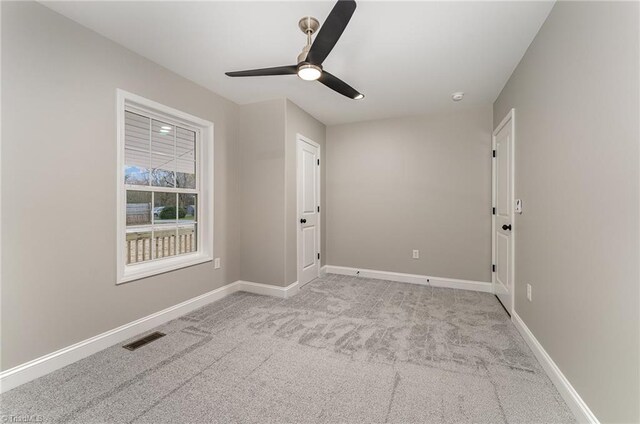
(506, 227)
(303, 221)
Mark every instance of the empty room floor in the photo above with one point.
(344, 349)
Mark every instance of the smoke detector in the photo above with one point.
(457, 96)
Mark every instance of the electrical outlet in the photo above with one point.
(216, 263)
(529, 292)
(416, 254)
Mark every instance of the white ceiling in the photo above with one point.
(406, 57)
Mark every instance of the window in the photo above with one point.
(165, 188)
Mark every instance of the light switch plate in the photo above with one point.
(519, 206)
(216, 263)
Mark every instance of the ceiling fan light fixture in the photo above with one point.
(309, 72)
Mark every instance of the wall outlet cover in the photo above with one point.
(216, 263)
(529, 292)
(416, 254)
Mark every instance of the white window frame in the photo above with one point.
(204, 170)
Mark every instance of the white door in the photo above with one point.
(503, 249)
(308, 219)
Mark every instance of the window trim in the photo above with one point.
(204, 169)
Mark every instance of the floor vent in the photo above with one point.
(143, 341)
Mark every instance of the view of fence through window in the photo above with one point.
(161, 189)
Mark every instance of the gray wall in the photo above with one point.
(267, 169)
(576, 98)
(424, 183)
(59, 85)
(300, 122)
(261, 167)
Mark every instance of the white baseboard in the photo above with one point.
(579, 408)
(46, 364)
(323, 270)
(268, 289)
(411, 278)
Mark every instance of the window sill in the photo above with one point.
(137, 272)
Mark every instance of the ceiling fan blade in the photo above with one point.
(336, 84)
(278, 70)
(331, 31)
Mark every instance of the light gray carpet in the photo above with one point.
(344, 349)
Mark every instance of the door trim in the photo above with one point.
(511, 117)
(299, 138)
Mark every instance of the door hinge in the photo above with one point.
(493, 268)
(318, 256)
(318, 162)
(493, 153)
(493, 211)
(318, 208)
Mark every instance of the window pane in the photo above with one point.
(138, 207)
(187, 242)
(185, 144)
(163, 170)
(188, 206)
(159, 154)
(137, 247)
(165, 241)
(136, 167)
(162, 138)
(164, 208)
(162, 154)
(136, 154)
(136, 131)
(186, 175)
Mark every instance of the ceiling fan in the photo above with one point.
(309, 65)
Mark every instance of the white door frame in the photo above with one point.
(511, 117)
(300, 137)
